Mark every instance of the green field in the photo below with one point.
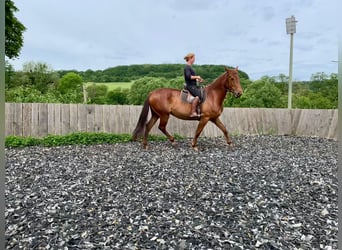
(112, 85)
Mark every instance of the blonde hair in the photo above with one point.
(189, 56)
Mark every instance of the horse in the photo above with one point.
(164, 102)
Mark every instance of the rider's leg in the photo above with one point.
(194, 107)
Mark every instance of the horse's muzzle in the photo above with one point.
(237, 94)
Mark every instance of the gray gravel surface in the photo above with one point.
(269, 192)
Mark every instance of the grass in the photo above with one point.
(112, 85)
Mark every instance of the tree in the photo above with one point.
(319, 77)
(9, 73)
(262, 93)
(97, 93)
(41, 75)
(14, 29)
(118, 96)
(176, 83)
(142, 87)
(70, 82)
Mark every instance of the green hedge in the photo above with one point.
(82, 138)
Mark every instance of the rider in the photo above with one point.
(191, 82)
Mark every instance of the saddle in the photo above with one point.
(186, 96)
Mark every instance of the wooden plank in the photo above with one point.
(9, 115)
(18, 120)
(333, 130)
(35, 120)
(43, 119)
(65, 119)
(124, 113)
(113, 119)
(90, 118)
(98, 116)
(82, 118)
(73, 118)
(51, 119)
(106, 118)
(133, 117)
(58, 119)
(27, 119)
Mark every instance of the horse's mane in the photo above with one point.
(214, 82)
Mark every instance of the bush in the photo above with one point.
(97, 93)
(82, 138)
(30, 95)
(70, 82)
(118, 96)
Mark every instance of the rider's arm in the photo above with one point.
(195, 77)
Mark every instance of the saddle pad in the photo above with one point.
(186, 96)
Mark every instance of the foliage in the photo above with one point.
(40, 83)
(142, 87)
(261, 93)
(9, 73)
(127, 73)
(97, 93)
(118, 96)
(40, 75)
(29, 95)
(70, 82)
(18, 141)
(14, 29)
(82, 138)
(176, 83)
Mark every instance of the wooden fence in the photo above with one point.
(41, 119)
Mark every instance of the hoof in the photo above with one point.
(175, 144)
(195, 148)
(146, 147)
(231, 145)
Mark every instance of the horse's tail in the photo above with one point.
(140, 128)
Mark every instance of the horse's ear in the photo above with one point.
(237, 68)
(226, 68)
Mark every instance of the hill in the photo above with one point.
(127, 73)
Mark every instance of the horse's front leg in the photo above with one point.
(221, 126)
(199, 130)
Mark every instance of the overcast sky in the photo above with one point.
(88, 34)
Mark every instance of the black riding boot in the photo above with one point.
(194, 107)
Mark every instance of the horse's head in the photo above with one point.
(232, 83)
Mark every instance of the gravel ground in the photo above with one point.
(269, 192)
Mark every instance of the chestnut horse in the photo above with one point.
(165, 101)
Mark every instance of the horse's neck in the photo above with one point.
(217, 89)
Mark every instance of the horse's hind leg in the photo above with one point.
(162, 126)
(149, 126)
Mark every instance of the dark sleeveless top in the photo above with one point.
(191, 84)
(188, 72)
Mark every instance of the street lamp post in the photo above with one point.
(290, 29)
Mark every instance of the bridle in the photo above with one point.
(228, 89)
